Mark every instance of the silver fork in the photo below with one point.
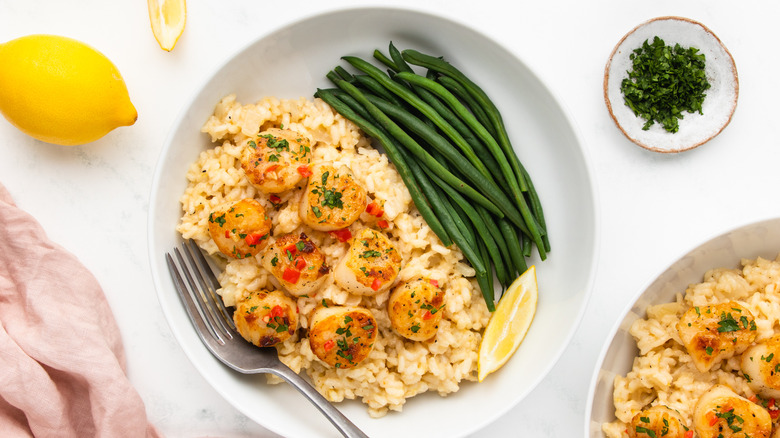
(197, 286)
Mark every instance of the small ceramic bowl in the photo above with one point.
(719, 103)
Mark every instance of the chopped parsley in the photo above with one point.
(649, 432)
(727, 323)
(220, 220)
(370, 253)
(328, 197)
(663, 82)
(276, 143)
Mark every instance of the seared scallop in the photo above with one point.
(722, 413)
(371, 264)
(296, 263)
(657, 421)
(276, 160)
(332, 199)
(761, 367)
(415, 308)
(714, 333)
(342, 336)
(240, 230)
(266, 318)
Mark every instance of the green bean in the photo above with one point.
(514, 245)
(470, 102)
(438, 204)
(500, 246)
(526, 242)
(343, 73)
(494, 147)
(409, 96)
(333, 76)
(485, 281)
(440, 144)
(479, 224)
(375, 87)
(444, 67)
(381, 57)
(399, 134)
(392, 151)
(468, 228)
(494, 115)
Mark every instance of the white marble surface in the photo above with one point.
(93, 199)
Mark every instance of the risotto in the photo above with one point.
(396, 367)
(708, 361)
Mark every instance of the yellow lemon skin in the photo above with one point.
(62, 91)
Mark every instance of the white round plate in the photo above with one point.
(292, 62)
(757, 239)
(695, 129)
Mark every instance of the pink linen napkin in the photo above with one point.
(62, 363)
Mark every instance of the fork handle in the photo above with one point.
(342, 423)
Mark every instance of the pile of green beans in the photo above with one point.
(449, 143)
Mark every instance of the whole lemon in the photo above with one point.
(61, 91)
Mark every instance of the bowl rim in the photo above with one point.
(732, 65)
(566, 113)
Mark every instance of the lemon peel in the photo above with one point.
(167, 18)
(509, 324)
(62, 91)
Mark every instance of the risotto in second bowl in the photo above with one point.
(709, 362)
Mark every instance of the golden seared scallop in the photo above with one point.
(240, 230)
(722, 413)
(761, 367)
(266, 318)
(276, 160)
(714, 333)
(296, 263)
(415, 308)
(342, 336)
(658, 421)
(371, 264)
(332, 199)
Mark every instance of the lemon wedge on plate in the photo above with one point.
(509, 323)
(168, 18)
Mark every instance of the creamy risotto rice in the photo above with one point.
(396, 368)
(665, 374)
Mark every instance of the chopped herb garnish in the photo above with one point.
(727, 323)
(369, 254)
(663, 82)
(275, 143)
(220, 220)
(649, 432)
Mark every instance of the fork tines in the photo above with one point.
(197, 286)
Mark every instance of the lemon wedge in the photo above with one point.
(509, 323)
(168, 18)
